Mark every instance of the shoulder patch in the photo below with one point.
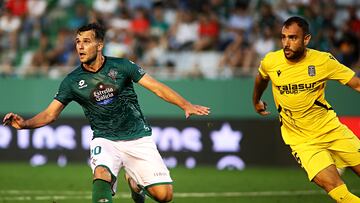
(142, 71)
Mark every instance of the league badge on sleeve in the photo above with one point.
(311, 70)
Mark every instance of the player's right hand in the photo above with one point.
(14, 120)
(261, 107)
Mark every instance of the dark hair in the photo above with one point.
(96, 27)
(301, 22)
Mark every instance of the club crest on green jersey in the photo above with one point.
(311, 70)
(112, 74)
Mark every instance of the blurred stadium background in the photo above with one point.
(207, 50)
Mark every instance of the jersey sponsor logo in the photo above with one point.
(82, 84)
(104, 94)
(278, 72)
(296, 88)
(311, 70)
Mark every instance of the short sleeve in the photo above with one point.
(262, 69)
(134, 71)
(338, 71)
(64, 94)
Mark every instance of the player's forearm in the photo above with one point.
(259, 88)
(163, 91)
(39, 120)
(354, 83)
(169, 95)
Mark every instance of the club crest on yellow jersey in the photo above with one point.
(311, 70)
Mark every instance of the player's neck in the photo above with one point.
(95, 65)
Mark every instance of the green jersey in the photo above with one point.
(108, 98)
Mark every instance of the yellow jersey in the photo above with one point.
(299, 94)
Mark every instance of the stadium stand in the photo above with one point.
(171, 39)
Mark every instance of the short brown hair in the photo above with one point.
(98, 29)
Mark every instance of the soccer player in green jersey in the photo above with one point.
(103, 86)
(309, 125)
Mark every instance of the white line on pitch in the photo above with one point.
(46, 195)
(38, 195)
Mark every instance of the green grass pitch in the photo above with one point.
(20, 183)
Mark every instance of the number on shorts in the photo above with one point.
(96, 150)
(297, 158)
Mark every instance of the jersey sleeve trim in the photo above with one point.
(344, 82)
(139, 78)
(63, 102)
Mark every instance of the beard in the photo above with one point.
(296, 54)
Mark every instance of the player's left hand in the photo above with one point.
(192, 109)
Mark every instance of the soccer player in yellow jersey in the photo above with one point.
(309, 125)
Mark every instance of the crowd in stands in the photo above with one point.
(170, 38)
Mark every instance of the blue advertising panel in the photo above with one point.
(220, 143)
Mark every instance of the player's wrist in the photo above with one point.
(24, 125)
(185, 105)
(256, 101)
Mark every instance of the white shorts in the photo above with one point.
(139, 157)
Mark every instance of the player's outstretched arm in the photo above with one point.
(354, 83)
(50, 114)
(259, 88)
(169, 95)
